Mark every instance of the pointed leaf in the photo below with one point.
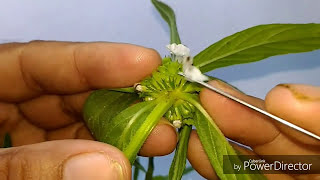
(102, 106)
(179, 161)
(168, 15)
(127, 90)
(214, 142)
(258, 43)
(139, 166)
(121, 128)
(188, 170)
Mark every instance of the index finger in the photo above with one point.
(31, 69)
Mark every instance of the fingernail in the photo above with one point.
(303, 92)
(163, 121)
(92, 166)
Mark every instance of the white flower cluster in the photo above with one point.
(181, 54)
(177, 123)
(179, 50)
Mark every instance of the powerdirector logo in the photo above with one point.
(271, 164)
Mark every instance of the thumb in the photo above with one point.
(64, 159)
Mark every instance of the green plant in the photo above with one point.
(113, 119)
(6, 141)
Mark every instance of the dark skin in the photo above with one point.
(44, 86)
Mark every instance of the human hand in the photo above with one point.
(43, 88)
(299, 104)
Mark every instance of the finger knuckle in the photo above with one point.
(16, 165)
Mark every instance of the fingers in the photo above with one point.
(252, 128)
(51, 111)
(161, 141)
(53, 117)
(198, 158)
(66, 159)
(235, 120)
(28, 70)
(299, 104)
(200, 162)
(58, 116)
(74, 131)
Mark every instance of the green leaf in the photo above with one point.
(179, 161)
(138, 124)
(112, 120)
(188, 170)
(127, 90)
(168, 15)
(102, 106)
(7, 141)
(160, 178)
(137, 168)
(149, 173)
(258, 43)
(122, 127)
(214, 142)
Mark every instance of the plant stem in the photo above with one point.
(136, 171)
(149, 174)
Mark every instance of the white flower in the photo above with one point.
(182, 55)
(138, 87)
(177, 123)
(179, 50)
(194, 73)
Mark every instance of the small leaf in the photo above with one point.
(7, 141)
(160, 178)
(188, 170)
(258, 43)
(168, 15)
(126, 90)
(214, 142)
(179, 161)
(139, 166)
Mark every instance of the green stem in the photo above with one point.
(179, 161)
(149, 174)
(136, 171)
(143, 132)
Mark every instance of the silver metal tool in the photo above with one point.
(254, 108)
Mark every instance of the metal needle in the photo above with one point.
(254, 107)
